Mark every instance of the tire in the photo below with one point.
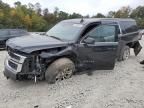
(126, 53)
(60, 69)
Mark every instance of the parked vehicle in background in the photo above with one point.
(6, 34)
(141, 31)
(71, 45)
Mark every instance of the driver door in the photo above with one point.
(97, 50)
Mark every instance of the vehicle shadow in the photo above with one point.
(27, 83)
(93, 72)
(87, 72)
(2, 49)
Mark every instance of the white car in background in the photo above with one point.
(141, 32)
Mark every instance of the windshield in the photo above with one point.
(65, 31)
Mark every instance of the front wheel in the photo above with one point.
(60, 69)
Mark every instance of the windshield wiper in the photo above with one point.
(56, 38)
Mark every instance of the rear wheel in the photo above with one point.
(60, 69)
(126, 53)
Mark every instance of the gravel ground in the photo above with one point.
(122, 87)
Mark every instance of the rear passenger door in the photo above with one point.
(130, 34)
(101, 53)
(129, 31)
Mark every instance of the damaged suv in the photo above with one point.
(70, 46)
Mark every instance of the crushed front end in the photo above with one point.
(19, 65)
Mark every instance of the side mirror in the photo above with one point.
(89, 40)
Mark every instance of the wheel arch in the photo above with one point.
(70, 55)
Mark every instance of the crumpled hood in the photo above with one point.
(34, 42)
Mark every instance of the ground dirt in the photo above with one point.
(122, 87)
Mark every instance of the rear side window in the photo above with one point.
(4, 33)
(128, 26)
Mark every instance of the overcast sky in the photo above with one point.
(83, 7)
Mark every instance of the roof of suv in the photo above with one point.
(90, 20)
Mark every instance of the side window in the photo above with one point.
(128, 26)
(131, 27)
(103, 33)
(89, 28)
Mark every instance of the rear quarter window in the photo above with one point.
(128, 26)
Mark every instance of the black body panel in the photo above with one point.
(98, 56)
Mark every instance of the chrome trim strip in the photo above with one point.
(19, 66)
(19, 63)
(22, 58)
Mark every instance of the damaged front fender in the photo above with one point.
(64, 52)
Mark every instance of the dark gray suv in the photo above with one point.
(70, 46)
(6, 34)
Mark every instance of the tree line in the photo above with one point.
(33, 18)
